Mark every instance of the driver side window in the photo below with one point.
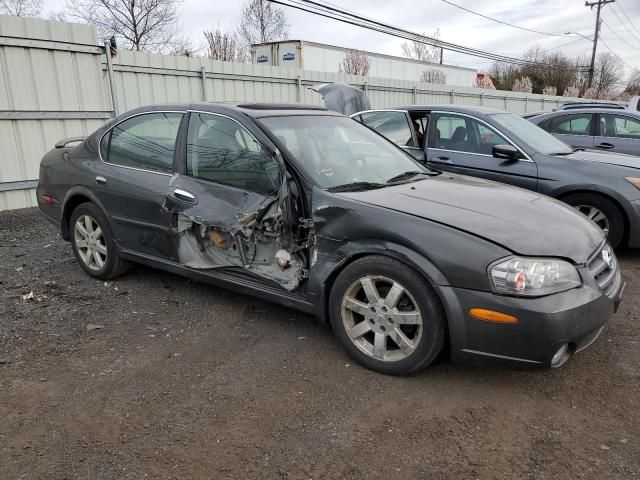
(464, 134)
(221, 150)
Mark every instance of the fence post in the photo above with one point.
(112, 86)
(482, 99)
(366, 88)
(415, 95)
(299, 83)
(453, 96)
(526, 104)
(203, 76)
(506, 106)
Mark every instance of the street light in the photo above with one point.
(579, 34)
(593, 55)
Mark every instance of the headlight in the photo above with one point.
(533, 277)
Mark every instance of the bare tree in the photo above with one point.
(58, 16)
(550, 90)
(608, 73)
(522, 84)
(21, 8)
(633, 84)
(221, 46)
(261, 22)
(355, 62)
(433, 76)
(145, 25)
(551, 69)
(483, 80)
(571, 91)
(181, 46)
(421, 51)
(591, 93)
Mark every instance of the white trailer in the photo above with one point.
(327, 58)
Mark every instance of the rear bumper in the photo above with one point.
(51, 211)
(574, 318)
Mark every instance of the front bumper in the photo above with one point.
(634, 225)
(574, 318)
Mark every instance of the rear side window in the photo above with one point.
(221, 150)
(619, 126)
(144, 141)
(569, 125)
(392, 125)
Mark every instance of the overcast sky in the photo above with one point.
(456, 26)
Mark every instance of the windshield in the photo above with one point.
(337, 151)
(531, 134)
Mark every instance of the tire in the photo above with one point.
(350, 306)
(90, 232)
(592, 205)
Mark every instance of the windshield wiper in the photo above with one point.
(356, 186)
(411, 174)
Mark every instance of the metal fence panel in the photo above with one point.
(54, 83)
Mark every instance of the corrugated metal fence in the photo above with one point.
(55, 83)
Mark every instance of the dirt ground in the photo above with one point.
(155, 376)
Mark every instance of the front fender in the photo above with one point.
(327, 267)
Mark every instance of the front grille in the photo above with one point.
(605, 270)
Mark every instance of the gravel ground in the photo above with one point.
(155, 376)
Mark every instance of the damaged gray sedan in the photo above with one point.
(308, 208)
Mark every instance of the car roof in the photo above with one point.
(581, 105)
(582, 111)
(255, 110)
(454, 108)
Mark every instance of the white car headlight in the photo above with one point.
(533, 277)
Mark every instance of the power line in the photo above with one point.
(500, 21)
(616, 34)
(341, 15)
(625, 25)
(627, 17)
(563, 45)
(615, 55)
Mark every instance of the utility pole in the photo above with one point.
(599, 4)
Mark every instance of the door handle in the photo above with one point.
(444, 159)
(184, 195)
(100, 180)
(605, 145)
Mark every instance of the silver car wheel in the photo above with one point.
(90, 242)
(382, 318)
(595, 215)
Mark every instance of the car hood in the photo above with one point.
(527, 223)
(620, 159)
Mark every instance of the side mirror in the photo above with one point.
(506, 152)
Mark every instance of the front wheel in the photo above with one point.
(386, 316)
(602, 211)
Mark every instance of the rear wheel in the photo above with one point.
(93, 243)
(386, 316)
(602, 211)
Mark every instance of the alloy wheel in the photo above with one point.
(90, 242)
(595, 215)
(382, 318)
